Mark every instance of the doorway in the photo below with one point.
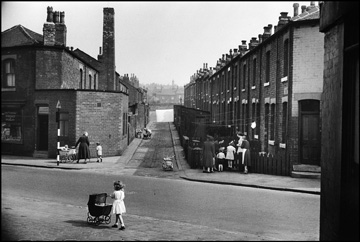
(310, 132)
(43, 128)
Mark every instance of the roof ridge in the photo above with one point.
(27, 34)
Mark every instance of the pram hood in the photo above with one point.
(99, 198)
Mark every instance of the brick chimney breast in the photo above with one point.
(60, 29)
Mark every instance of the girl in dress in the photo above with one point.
(118, 207)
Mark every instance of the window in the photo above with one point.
(64, 124)
(81, 78)
(9, 73)
(90, 83)
(286, 58)
(258, 119)
(11, 128)
(284, 121)
(96, 86)
(125, 122)
(253, 118)
(244, 76)
(267, 67)
(266, 134)
(254, 72)
(272, 122)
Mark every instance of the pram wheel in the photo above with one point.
(107, 219)
(97, 221)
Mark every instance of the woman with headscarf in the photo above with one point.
(208, 155)
(84, 151)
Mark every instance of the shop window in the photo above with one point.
(9, 73)
(64, 124)
(11, 125)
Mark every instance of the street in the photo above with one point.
(43, 204)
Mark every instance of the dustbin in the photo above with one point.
(197, 157)
(185, 146)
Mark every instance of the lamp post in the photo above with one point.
(58, 106)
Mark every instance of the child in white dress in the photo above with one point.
(118, 207)
(99, 152)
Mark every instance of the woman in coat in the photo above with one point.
(245, 145)
(84, 151)
(208, 155)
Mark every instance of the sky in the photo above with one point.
(159, 42)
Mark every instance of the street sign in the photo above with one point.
(58, 105)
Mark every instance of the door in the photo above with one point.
(310, 150)
(43, 129)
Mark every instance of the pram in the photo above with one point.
(98, 210)
(67, 154)
(167, 164)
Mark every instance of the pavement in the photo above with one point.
(262, 181)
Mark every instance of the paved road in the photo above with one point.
(35, 201)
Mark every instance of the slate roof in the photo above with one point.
(87, 59)
(20, 36)
(312, 13)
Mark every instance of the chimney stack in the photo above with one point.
(49, 28)
(107, 73)
(260, 38)
(267, 32)
(253, 43)
(296, 9)
(60, 28)
(283, 20)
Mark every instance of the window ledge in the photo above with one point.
(243, 90)
(284, 79)
(253, 87)
(256, 136)
(271, 142)
(282, 145)
(8, 89)
(266, 84)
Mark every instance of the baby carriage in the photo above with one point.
(167, 164)
(98, 210)
(67, 154)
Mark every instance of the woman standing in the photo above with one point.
(208, 155)
(84, 151)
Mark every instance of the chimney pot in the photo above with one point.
(71, 48)
(260, 38)
(49, 18)
(303, 8)
(296, 9)
(57, 17)
(62, 17)
(312, 4)
(243, 42)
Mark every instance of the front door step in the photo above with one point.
(40, 154)
(300, 174)
(307, 168)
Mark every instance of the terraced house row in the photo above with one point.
(271, 88)
(47, 86)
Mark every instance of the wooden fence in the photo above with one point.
(278, 164)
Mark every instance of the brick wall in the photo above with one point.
(331, 105)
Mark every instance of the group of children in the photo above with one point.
(229, 158)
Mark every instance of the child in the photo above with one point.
(118, 207)
(98, 152)
(220, 159)
(230, 152)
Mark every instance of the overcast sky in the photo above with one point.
(159, 42)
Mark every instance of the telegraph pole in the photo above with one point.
(58, 106)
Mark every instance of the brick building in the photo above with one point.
(339, 202)
(270, 89)
(40, 71)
